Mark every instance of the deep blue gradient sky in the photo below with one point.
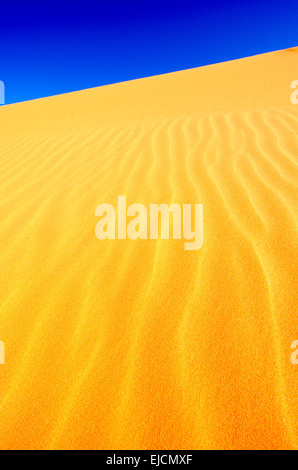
(48, 48)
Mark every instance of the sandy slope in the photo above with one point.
(140, 344)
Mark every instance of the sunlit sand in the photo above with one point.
(140, 344)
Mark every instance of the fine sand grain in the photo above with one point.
(122, 344)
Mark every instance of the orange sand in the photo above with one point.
(140, 344)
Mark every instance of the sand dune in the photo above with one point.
(122, 344)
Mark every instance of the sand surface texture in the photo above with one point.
(122, 344)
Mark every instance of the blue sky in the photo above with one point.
(48, 48)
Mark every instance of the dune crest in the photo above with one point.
(139, 344)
